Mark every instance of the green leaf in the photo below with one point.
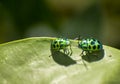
(27, 61)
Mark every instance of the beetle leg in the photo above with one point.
(71, 50)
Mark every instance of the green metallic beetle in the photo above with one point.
(61, 44)
(89, 45)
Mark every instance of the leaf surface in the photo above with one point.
(27, 61)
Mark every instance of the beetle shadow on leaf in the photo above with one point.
(95, 56)
(62, 59)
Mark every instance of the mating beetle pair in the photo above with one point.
(88, 45)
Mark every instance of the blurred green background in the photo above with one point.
(67, 18)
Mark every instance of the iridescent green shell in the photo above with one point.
(90, 44)
(60, 43)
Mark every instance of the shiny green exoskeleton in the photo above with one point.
(61, 44)
(90, 45)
